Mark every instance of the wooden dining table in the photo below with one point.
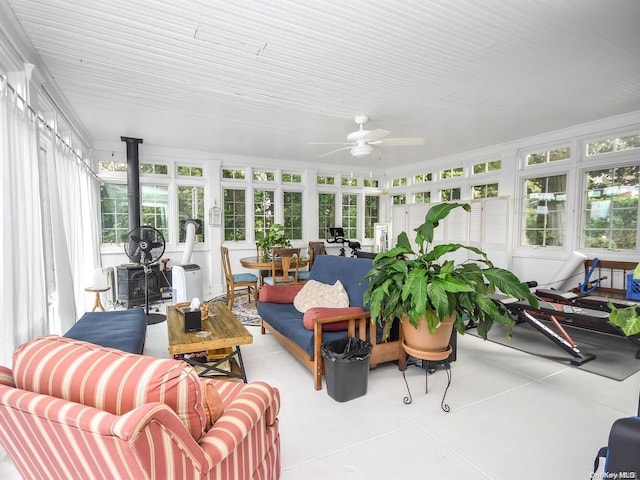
(257, 263)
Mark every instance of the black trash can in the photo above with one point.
(346, 367)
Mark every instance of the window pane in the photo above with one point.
(450, 194)
(155, 204)
(293, 215)
(399, 199)
(263, 176)
(422, 197)
(545, 205)
(371, 214)
(326, 213)
(349, 182)
(399, 182)
(611, 208)
(237, 174)
(484, 191)
(190, 206)
(368, 182)
(349, 216)
(325, 180)
(291, 177)
(263, 207)
(114, 212)
(234, 215)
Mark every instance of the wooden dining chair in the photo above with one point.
(237, 281)
(315, 249)
(284, 266)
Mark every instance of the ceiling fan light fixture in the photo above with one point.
(361, 150)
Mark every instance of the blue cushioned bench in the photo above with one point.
(125, 330)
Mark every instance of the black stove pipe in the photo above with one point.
(133, 180)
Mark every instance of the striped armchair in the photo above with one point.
(74, 410)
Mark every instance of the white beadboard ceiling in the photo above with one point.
(265, 78)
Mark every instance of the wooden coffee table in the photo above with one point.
(226, 334)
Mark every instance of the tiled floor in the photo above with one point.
(513, 415)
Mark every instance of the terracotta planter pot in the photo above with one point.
(420, 339)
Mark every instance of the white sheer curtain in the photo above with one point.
(23, 295)
(73, 197)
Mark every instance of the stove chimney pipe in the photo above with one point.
(133, 180)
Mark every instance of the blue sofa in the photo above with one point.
(125, 330)
(285, 323)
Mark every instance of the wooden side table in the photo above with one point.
(97, 291)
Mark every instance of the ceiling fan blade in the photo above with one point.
(402, 141)
(328, 143)
(374, 135)
(335, 151)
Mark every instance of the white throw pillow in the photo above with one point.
(318, 294)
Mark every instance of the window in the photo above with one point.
(291, 177)
(400, 199)
(153, 169)
(350, 216)
(326, 213)
(544, 211)
(112, 166)
(399, 182)
(422, 197)
(422, 178)
(114, 212)
(234, 174)
(234, 214)
(155, 202)
(349, 182)
(484, 191)
(369, 182)
(371, 214)
(325, 180)
(187, 171)
(486, 167)
(450, 194)
(190, 206)
(451, 172)
(548, 156)
(263, 176)
(263, 206)
(292, 206)
(619, 144)
(611, 208)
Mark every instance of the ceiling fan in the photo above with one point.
(363, 143)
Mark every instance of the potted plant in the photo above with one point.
(432, 294)
(627, 319)
(274, 237)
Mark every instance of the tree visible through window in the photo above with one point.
(326, 213)
(293, 215)
(234, 214)
(544, 211)
(350, 216)
(190, 206)
(263, 211)
(371, 214)
(155, 204)
(611, 208)
(115, 213)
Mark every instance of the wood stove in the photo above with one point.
(131, 284)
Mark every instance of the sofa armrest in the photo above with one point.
(6, 377)
(258, 402)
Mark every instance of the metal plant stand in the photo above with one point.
(428, 361)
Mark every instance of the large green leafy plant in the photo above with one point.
(404, 283)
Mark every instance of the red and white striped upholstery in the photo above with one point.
(64, 420)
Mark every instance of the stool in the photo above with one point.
(97, 291)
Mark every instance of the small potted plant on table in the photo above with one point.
(274, 237)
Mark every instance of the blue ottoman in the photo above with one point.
(125, 330)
